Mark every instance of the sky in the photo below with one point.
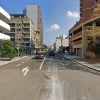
(58, 16)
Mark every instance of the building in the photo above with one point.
(4, 26)
(22, 32)
(61, 41)
(33, 12)
(87, 29)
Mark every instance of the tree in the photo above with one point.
(91, 46)
(94, 47)
(97, 48)
(44, 47)
(8, 49)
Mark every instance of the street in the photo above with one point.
(51, 78)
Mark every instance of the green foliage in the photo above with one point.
(94, 47)
(44, 47)
(97, 48)
(91, 47)
(8, 49)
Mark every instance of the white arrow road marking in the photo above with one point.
(25, 71)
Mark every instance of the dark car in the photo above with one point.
(51, 53)
(39, 56)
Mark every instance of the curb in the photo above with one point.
(87, 66)
(12, 60)
(83, 64)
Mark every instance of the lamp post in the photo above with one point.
(18, 51)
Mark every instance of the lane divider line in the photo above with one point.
(42, 63)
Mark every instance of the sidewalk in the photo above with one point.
(4, 62)
(88, 63)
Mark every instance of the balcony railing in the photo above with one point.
(4, 26)
(76, 35)
(77, 42)
(4, 15)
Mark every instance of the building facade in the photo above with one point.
(22, 32)
(4, 26)
(61, 41)
(87, 29)
(33, 12)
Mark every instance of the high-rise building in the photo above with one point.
(4, 26)
(86, 8)
(34, 13)
(22, 32)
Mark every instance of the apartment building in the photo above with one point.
(22, 32)
(4, 26)
(87, 29)
(33, 12)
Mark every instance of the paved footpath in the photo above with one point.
(85, 62)
(3, 62)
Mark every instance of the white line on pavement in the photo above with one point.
(25, 71)
(42, 63)
(17, 65)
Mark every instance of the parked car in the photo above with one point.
(39, 56)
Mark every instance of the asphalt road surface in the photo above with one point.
(51, 78)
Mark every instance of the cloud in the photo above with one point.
(52, 28)
(74, 15)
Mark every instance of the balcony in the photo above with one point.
(4, 26)
(76, 36)
(77, 42)
(4, 15)
(27, 36)
(26, 25)
(4, 37)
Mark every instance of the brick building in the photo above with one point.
(87, 29)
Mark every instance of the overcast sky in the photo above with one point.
(58, 15)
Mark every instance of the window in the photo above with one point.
(97, 37)
(12, 30)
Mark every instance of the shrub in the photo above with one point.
(94, 47)
(8, 49)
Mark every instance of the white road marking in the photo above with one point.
(17, 65)
(25, 71)
(52, 85)
(42, 63)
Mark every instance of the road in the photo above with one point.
(51, 78)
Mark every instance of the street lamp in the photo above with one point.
(18, 51)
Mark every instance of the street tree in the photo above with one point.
(8, 49)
